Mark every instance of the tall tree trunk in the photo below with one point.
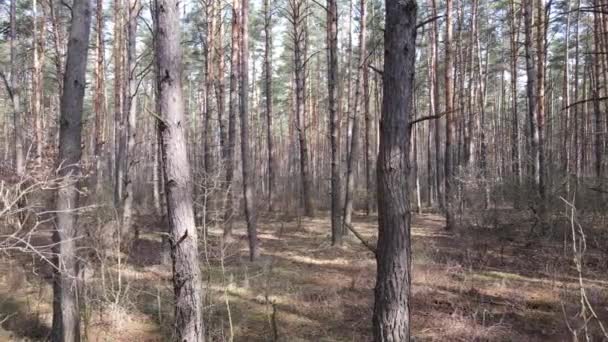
(391, 318)
(530, 85)
(37, 79)
(250, 214)
(209, 82)
(130, 115)
(268, 91)
(369, 193)
(15, 91)
(576, 119)
(220, 90)
(187, 285)
(354, 140)
(332, 76)
(299, 12)
(434, 103)
(566, 104)
(541, 38)
(515, 141)
(233, 107)
(450, 147)
(118, 103)
(66, 322)
(596, 91)
(99, 105)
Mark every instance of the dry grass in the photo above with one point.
(475, 285)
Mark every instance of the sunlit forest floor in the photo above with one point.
(477, 284)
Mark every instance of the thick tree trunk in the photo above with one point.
(66, 323)
(332, 76)
(530, 85)
(250, 214)
(178, 184)
(391, 318)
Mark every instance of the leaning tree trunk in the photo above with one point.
(66, 323)
(187, 285)
(391, 319)
(250, 216)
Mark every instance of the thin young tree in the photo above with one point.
(391, 318)
(66, 313)
(183, 239)
(99, 103)
(450, 146)
(269, 99)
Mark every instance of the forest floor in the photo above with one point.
(471, 285)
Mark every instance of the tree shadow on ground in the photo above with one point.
(21, 322)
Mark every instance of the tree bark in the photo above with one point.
(37, 79)
(130, 115)
(15, 91)
(332, 76)
(247, 172)
(530, 85)
(515, 141)
(268, 91)
(354, 134)
(118, 103)
(541, 38)
(178, 184)
(450, 147)
(391, 318)
(298, 14)
(233, 107)
(99, 103)
(66, 322)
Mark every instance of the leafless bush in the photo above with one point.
(580, 325)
